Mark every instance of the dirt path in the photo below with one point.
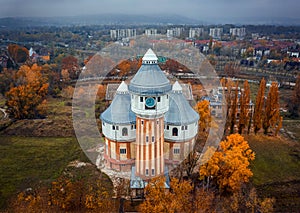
(4, 112)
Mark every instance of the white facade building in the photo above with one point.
(216, 32)
(175, 32)
(122, 33)
(195, 32)
(151, 32)
(239, 32)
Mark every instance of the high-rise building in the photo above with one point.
(239, 32)
(122, 33)
(195, 32)
(151, 32)
(216, 32)
(175, 32)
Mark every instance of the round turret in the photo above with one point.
(118, 121)
(181, 121)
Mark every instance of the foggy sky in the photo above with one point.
(196, 9)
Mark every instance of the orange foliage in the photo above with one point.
(271, 115)
(259, 103)
(25, 100)
(18, 53)
(229, 166)
(203, 110)
(70, 63)
(158, 199)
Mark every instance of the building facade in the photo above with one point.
(239, 32)
(150, 125)
(216, 33)
(151, 32)
(122, 33)
(196, 32)
(175, 32)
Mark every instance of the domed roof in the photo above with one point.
(119, 111)
(149, 80)
(180, 112)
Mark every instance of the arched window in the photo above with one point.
(124, 131)
(174, 131)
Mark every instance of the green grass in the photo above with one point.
(276, 160)
(276, 170)
(25, 161)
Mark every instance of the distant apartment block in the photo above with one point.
(122, 33)
(239, 32)
(216, 32)
(151, 32)
(175, 32)
(195, 32)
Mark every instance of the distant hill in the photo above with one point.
(107, 19)
(155, 19)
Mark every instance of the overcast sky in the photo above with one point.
(197, 9)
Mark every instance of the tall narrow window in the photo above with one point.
(141, 99)
(158, 99)
(153, 138)
(147, 172)
(176, 150)
(124, 131)
(174, 131)
(147, 138)
(153, 172)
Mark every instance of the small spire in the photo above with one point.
(122, 88)
(150, 57)
(177, 87)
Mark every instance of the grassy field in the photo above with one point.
(276, 170)
(25, 161)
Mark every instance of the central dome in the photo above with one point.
(150, 80)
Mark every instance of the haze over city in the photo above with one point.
(233, 10)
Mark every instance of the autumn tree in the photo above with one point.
(202, 107)
(18, 53)
(27, 99)
(271, 114)
(245, 200)
(228, 168)
(244, 102)
(158, 199)
(6, 80)
(70, 63)
(228, 89)
(234, 107)
(231, 69)
(259, 104)
(294, 104)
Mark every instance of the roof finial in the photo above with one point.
(122, 88)
(176, 87)
(150, 57)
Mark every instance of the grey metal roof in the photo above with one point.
(119, 111)
(112, 88)
(150, 80)
(137, 182)
(180, 112)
